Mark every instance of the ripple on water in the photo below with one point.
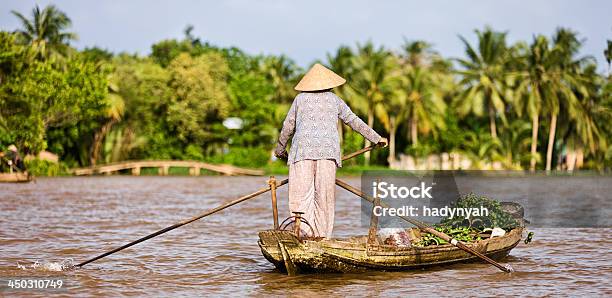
(47, 266)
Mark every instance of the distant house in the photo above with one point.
(44, 155)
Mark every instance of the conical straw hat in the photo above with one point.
(319, 78)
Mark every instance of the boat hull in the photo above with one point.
(15, 177)
(284, 250)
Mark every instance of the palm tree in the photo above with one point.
(426, 106)
(565, 81)
(281, 71)
(549, 80)
(46, 31)
(424, 87)
(535, 74)
(391, 112)
(418, 53)
(585, 129)
(371, 71)
(115, 107)
(394, 108)
(484, 75)
(341, 63)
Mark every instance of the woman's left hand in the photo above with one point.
(383, 142)
(282, 154)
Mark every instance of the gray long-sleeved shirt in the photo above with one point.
(313, 122)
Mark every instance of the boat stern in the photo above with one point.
(272, 242)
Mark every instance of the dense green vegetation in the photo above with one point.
(469, 230)
(524, 104)
(496, 217)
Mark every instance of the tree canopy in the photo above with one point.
(526, 105)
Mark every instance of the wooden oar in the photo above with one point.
(423, 226)
(182, 223)
(207, 213)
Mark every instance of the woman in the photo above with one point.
(315, 146)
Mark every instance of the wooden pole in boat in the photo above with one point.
(373, 221)
(272, 183)
(207, 213)
(423, 226)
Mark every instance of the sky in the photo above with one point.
(308, 30)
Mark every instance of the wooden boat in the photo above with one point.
(283, 249)
(15, 177)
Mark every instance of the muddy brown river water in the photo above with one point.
(61, 219)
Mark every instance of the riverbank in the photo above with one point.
(41, 168)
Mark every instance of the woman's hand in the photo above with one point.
(281, 154)
(383, 142)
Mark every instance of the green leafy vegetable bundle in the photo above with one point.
(468, 230)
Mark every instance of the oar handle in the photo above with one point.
(360, 151)
(423, 226)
